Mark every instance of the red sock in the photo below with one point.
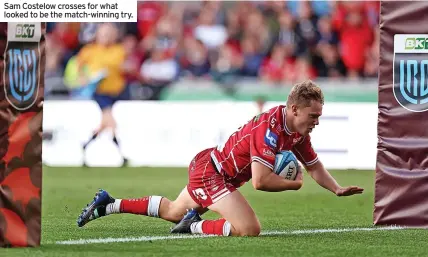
(148, 206)
(216, 227)
(135, 206)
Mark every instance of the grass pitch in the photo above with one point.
(67, 190)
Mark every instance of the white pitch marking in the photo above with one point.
(329, 230)
(174, 237)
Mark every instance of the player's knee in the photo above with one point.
(110, 123)
(173, 217)
(250, 230)
(172, 213)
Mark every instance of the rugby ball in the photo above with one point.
(286, 165)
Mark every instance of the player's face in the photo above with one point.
(306, 118)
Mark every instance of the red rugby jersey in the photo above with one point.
(259, 140)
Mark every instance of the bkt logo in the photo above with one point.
(22, 74)
(25, 30)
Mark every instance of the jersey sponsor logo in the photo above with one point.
(271, 139)
(268, 153)
(272, 122)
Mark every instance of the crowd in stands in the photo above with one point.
(280, 41)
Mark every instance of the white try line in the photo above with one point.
(174, 237)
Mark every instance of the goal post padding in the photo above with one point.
(401, 185)
(22, 46)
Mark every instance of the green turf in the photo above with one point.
(66, 191)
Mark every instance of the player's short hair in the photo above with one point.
(303, 93)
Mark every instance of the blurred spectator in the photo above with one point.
(288, 35)
(216, 7)
(329, 63)
(257, 28)
(276, 7)
(194, 59)
(166, 35)
(355, 36)
(326, 33)
(307, 25)
(54, 56)
(148, 13)
(134, 58)
(211, 34)
(301, 70)
(275, 41)
(252, 57)
(320, 7)
(87, 32)
(225, 67)
(157, 72)
(67, 34)
(233, 26)
(274, 67)
(372, 57)
(372, 9)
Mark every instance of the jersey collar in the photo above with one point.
(286, 129)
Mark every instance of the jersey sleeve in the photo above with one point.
(264, 144)
(304, 152)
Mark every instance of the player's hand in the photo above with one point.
(299, 178)
(347, 191)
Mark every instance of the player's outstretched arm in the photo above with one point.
(324, 179)
(264, 179)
